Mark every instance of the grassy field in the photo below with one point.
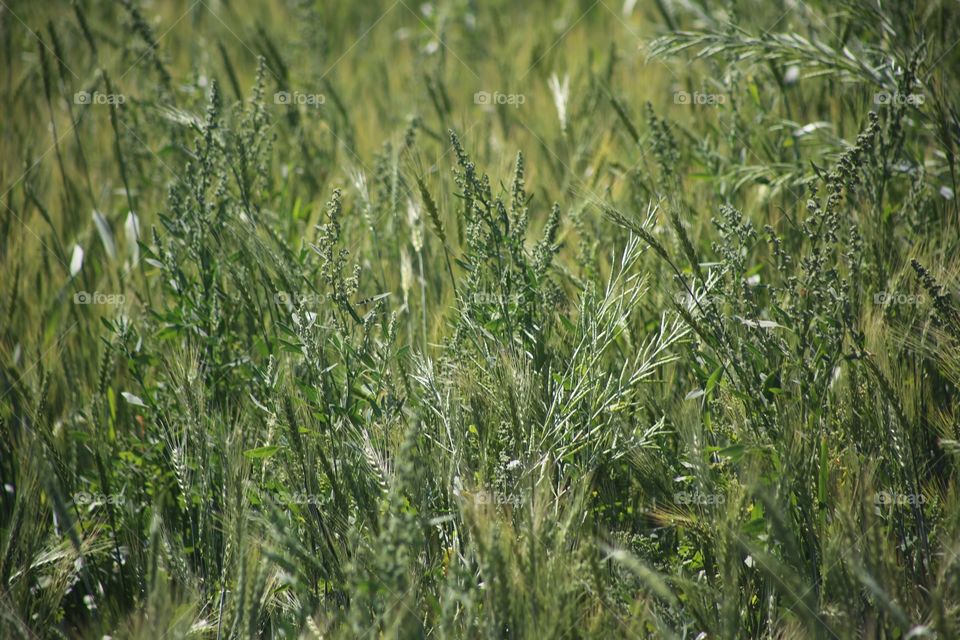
(479, 319)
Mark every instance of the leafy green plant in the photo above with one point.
(372, 320)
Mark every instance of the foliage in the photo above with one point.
(477, 320)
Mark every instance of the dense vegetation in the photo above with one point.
(555, 318)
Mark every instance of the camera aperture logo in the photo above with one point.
(97, 298)
(485, 98)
